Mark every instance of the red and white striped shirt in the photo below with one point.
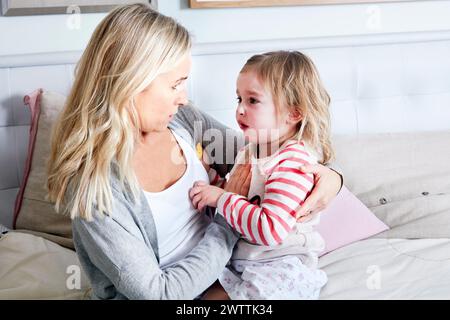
(277, 190)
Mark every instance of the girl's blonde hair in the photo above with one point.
(293, 80)
(98, 127)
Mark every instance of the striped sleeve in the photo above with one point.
(285, 190)
(215, 179)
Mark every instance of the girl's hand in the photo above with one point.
(327, 184)
(239, 182)
(203, 194)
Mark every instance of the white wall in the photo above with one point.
(230, 24)
(50, 33)
(45, 33)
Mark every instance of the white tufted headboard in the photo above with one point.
(378, 83)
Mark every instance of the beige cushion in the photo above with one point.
(37, 215)
(404, 178)
(35, 268)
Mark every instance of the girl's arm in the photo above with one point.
(269, 222)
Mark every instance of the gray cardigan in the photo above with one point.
(119, 252)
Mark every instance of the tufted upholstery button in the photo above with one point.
(383, 201)
(425, 193)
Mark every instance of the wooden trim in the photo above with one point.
(25, 7)
(199, 4)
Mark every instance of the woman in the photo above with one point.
(123, 161)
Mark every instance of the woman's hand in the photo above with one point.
(327, 184)
(239, 182)
(203, 194)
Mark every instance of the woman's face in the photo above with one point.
(159, 102)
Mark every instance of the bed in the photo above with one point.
(391, 128)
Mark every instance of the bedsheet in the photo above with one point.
(388, 269)
(34, 268)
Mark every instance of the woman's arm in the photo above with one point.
(107, 248)
(266, 222)
(327, 184)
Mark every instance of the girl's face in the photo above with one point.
(159, 102)
(256, 114)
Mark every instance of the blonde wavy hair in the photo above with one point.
(292, 79)
(98, 127)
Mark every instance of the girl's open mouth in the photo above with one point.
(242, 126)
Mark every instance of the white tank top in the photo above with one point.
(179, 226)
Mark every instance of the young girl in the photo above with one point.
(283, 113)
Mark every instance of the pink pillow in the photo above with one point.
(346, 220)
(33, 101)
